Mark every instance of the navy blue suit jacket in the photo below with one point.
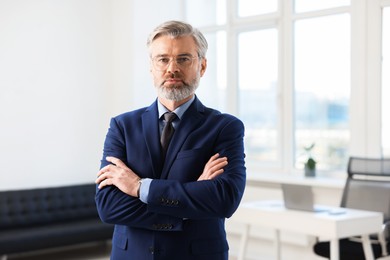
(184, 218)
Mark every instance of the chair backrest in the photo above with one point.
(368, 185)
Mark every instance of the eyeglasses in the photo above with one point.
(161, 63)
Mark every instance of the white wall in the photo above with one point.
(55, 59)
(147, 14)
(66, 67)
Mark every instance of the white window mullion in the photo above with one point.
(385, 2)
(286, 88)
(374, 69)
(232, 60)
(358, 104)
(365, 104)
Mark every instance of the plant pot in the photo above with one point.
(310, 172)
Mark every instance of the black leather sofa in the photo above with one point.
(49, 217)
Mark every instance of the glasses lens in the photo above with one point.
(183, 62)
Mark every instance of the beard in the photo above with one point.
(178, 92)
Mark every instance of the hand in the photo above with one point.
(120, 175)
(213, 168)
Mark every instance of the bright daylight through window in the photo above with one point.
(322, 87)
(284, 68)
(258, 55)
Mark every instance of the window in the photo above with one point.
(213, 12)
(297, 72)
(322, 87)
(256, 7)
(313, 5)
(212, 89)
(257, 96)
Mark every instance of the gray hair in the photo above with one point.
(178, 29)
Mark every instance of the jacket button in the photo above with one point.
(151, 250)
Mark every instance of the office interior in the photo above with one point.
(298, 73)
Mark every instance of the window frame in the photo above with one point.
(365, 105)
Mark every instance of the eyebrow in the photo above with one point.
(180, 55)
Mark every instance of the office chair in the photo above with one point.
(367, 188)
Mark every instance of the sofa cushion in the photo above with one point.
(49, 217)
(46, 205)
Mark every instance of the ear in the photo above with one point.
(151, 68)
(203, 66)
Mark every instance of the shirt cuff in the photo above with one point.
(144, 190)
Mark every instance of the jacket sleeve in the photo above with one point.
(116, 207)
(217, 198)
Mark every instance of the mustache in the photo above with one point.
(175, 77)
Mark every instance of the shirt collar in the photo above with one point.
(179, 111)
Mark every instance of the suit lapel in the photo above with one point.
(191, 119)
(151, 135)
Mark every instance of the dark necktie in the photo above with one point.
(167, 131)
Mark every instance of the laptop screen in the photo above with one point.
(298, 197)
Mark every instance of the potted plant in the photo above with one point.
(310, 164)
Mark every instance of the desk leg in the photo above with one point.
(334, 249)
(367, 248)
(277, 250)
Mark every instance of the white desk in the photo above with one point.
(322, 224)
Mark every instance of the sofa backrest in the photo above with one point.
(47, 205)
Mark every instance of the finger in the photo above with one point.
(105, 183)
(102, 178)
(99, 180)
(219, 163)
(214, 157)
(116, 161)
(215, 174)
(105, 169)
(201, 178)
(219, 160)
(210, 176)
(217, 168)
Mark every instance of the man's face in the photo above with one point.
(175, 66)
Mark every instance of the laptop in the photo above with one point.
(299, 197)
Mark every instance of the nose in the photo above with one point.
(173, 67)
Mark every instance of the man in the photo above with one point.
(172, 204)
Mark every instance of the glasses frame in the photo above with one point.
(164, 67)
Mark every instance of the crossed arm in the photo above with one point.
(126, 180)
